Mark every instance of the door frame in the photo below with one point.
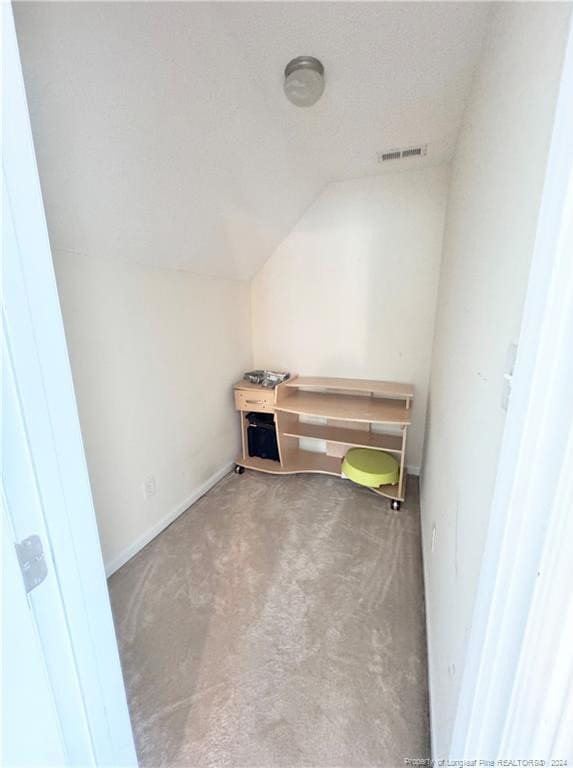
(516, 697)
(54, 438)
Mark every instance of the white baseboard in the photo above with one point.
(127, 553)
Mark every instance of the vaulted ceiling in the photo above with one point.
(163, 135)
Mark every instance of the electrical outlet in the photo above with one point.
(149, 488)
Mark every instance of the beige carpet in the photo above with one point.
(278, 622)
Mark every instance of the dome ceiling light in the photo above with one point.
(304, 81)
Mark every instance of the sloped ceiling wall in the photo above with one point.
(163, 136)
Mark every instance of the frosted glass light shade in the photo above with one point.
(304, 81)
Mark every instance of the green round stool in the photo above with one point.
(370, 468)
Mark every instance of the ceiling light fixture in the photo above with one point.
(304, 81)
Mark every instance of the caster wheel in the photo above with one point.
(239, 470)
(395, 505)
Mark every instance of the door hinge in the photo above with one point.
(32, 561)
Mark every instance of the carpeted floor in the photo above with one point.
(278, 622)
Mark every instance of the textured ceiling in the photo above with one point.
(163, 135)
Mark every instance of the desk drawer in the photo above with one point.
(255, 400)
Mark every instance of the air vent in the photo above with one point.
(402, 154)
(389, 156)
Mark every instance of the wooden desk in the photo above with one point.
(350, 409)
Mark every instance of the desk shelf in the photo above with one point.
(350, 408)
(354, 438)
(392, 389)
(298, 461)
(371, 410)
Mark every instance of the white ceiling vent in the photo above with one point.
(402, 154)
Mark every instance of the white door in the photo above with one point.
(63, 699)
(24, 677)
(22, 501)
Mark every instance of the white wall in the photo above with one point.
(154, 353)
(352, 290)
(144, 117)
(496, 184)
(164, 137)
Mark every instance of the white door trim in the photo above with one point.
(516, 699)
(53, 433)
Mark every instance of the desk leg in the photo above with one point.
(402, 484)
(243, 435)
